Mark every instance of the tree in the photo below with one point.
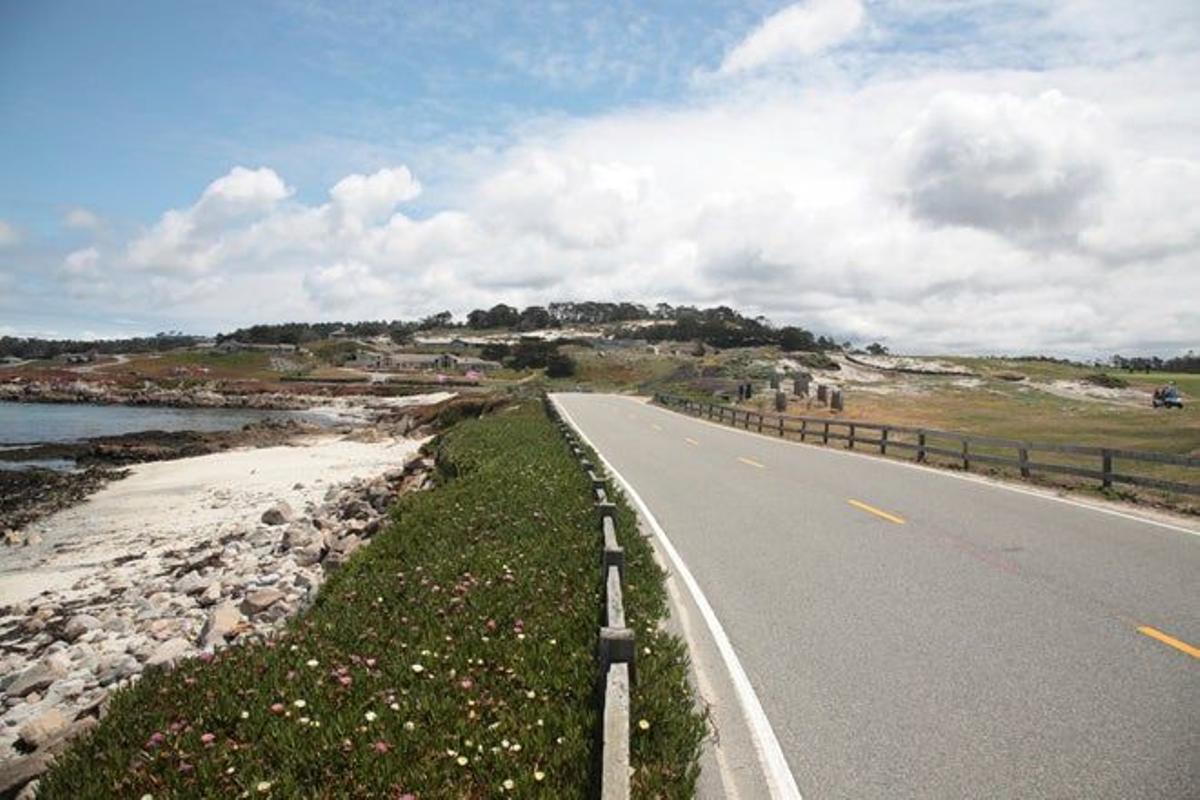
(534, 318)
(792, 338)
(442, 319)
(495, 351)
(559, 365)
(876, 349)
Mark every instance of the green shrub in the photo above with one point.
(455, 653)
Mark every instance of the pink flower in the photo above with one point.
(155, 740)
(345, 680)
(371, 662)
(185, 767)
(207, 739)
(205, 656)
(382, 747)
(277, 708)
(466, 683)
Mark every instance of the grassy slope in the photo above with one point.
(491, 583)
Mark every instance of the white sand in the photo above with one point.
(171, 505)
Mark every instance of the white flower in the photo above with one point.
(516, 748)
(263, 787)
(417, 668)
(312, 662)
(538, 775)
(394, 706)
(462, 761)
(371, 716)
(508, 784)
(408, 726)
(245, 715)
(303, 720)
(644, 724)
(299, 703)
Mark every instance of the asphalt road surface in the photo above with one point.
(911, 633)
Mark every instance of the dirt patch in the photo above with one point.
(1081, 390)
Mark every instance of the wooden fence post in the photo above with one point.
(920, 447)
(1023, 458)
(760, 422)
(850, 444)
(966, 457)
(826, 439)
(781, 427)
(803, 430)
(1106, 468)
(883, 436)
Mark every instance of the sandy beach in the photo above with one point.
(174, 505)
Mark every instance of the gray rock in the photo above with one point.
(258, 601)
(222, 621)
(18, 772)
(43, 728)
(80, 624)
(30, 791)
(117, 668)
(36, 678)
(191, 583)
(211, 594)
(278, 514)
(169, 653)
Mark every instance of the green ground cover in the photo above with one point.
(454, 657)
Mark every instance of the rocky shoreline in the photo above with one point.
(63, 652)
(208, 394)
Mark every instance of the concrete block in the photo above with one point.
(615, 770)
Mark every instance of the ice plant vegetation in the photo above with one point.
(472, 620)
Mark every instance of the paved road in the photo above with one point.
(910, 633)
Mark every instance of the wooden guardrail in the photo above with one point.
(963, 447)
(616, 647)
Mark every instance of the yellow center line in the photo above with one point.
(877, 512)
(1170, 641)
(690, 440)
(752, 462)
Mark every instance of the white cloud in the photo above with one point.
(795, 33)
(369, 198)
(933, 207)
(82, 219)
(9, 235)
(1001, 162)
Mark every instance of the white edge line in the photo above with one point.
(930, 470)
(780, 780)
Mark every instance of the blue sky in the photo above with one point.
(939, 174)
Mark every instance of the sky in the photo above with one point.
(942, 176)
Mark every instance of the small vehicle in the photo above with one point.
(1167, 397)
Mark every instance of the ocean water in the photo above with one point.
(35, 423)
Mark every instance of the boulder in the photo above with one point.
(191, 583)
(80, 624)
(114, 669)
(36, 678)
(211, 594)
(42, 729)
(278, 514)
(222, 621)
(17, 772)
(259, 601)
(169, 652)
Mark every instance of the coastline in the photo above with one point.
(185, 555)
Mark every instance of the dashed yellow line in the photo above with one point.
(1170, 641)
(691, 441)
(752, 462)
(876, 511)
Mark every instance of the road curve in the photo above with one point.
(913, 634)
